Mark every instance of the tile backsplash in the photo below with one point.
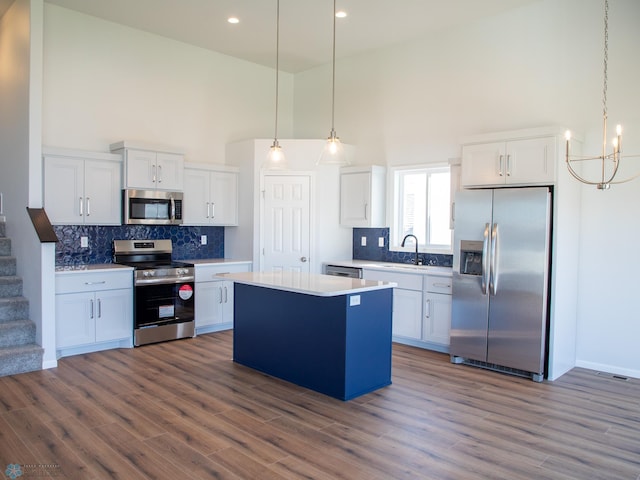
(382, 254)
(185, 240)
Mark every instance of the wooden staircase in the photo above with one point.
(19, 351)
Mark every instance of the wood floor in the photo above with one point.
(184, 410)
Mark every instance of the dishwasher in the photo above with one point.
(340, 271)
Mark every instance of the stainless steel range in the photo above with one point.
(163, 290)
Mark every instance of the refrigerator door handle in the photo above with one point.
(493, 275)
(485, 258)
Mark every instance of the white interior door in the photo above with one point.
(286, 223)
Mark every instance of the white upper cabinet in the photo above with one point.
(210, 195)
(146, 168)
(362, 196)
(82, 187)
(527, 161)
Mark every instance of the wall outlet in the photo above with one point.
(84, 242)
(363, 241)
(381, 241)
(203, 239)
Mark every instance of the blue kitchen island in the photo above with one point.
(329, 334)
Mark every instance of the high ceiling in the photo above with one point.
(305, 25)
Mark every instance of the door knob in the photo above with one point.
(303, 259)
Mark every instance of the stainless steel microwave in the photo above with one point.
(151, 207)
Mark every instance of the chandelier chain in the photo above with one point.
(606, 58)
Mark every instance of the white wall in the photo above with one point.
(106, 82)
(537, 66)
(21, 178)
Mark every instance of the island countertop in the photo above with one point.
(308, 283)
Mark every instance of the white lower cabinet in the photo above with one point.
(94, 311)
(214, 296)
(437, 310)
(407, 313)
(421, 308)
(407, 302)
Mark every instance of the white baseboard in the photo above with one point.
(612, 369)
(47, 364)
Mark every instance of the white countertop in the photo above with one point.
(308, 283)
(217, 261)
(67, 269)
(395, 267)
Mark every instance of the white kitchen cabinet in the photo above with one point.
(524, 161)
(210, 195)
(437, 310)
(214, 295)
(407, 302)
(94, 311)
(362, 196)
(148, 168)
(82, 187)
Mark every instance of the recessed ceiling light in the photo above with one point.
(233, 20)
(341, 14)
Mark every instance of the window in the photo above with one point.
(421, 206)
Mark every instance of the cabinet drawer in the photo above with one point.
(92, 281)
(206, 273)
(404, 280)
(438, 284)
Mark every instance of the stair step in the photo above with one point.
(7, 266)
(17, 332)
(13, 308)
(10, 286)
(20, 359)
(5, 246)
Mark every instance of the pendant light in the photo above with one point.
(333, 152)
(275, 158)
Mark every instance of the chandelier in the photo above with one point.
(609, 162)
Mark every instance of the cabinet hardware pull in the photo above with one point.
(95, 283)
(365, 211)
(81, 204)
(91, 314)
(153, 175)
(220, 288)
(508, 165)
(208, 210)
(88, 206)
(99, 309)
(213, 210)
(500, 172)
(159, 173)
(428, 309)
(226, 295)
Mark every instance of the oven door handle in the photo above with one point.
(156, 281)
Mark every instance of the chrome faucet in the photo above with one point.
(416, 240)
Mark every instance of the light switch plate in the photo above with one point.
(381, 241)
(354, 300)
(203, 239)
(363, 241)
(84, 242)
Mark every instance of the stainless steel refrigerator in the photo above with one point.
(501, 272)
